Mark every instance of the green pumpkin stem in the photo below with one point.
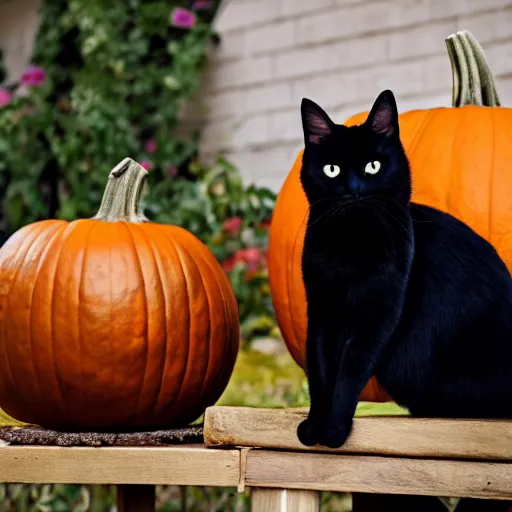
(121, 199)
(473, 81)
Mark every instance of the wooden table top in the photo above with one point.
(258, 448)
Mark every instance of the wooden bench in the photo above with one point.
(258, 448)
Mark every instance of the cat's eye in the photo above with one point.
(331, 170)
(372, 167)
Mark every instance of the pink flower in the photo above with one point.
(5, 97)
(150, 146)
(252, 256)
(229, 263)
(202, 4)
(173, 171)
(33, 76)
(146, 164)
(183, 18)
(232, 226)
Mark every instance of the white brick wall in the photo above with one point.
(340, 53)
(18, 26)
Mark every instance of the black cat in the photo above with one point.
(394, 289)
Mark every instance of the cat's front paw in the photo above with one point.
(308, 433)
(335, 433)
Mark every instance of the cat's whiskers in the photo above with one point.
(376, 202)
(329, 214)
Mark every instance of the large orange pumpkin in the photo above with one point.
(460, 160)
(113, 322)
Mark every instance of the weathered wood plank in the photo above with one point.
(398, 436)
(386, 475)
(284, 500)
(190, 465)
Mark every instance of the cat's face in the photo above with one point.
(357, 162)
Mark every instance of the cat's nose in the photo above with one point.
(354, 184)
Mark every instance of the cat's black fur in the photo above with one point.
(394, 289)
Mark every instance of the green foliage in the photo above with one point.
(56, 498)
(266, 380)
(117, 75)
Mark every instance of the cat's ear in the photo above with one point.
(383, 117)
(315, 122)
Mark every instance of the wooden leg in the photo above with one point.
(136, 498)
(284, 500)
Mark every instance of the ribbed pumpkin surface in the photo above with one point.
(112, 325)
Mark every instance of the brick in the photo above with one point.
(329, 91)
(341, 114)
(238, 14)
(294, 7)
(345, 3)
(404, 78)
(285, 126)
(325, 58)
(224, 104)
(488, 27)
(302, 62)
(469, 6)
(251, 131)
(420, 41)
(216, 136)
(422, 102)
(499, 57)
(363, 18)
(332, 91)
(274, 162)
(267, 98)
(244, 161)
(241, 72)
(384, 15)
(232, 46)
(270, 38)
(265, 165)
(441, 9)
(250, 100)
(323, 27)
(273, 183)
(404, 104)
(437, 74)
(19, 24)
(504, 86)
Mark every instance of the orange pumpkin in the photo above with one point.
(460, 160)
(113, 323)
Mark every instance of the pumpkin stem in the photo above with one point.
(121, 199)
(473, 81)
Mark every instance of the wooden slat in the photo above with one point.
(399, 436)
(284, 500)
(370, 474)
(190, 465)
